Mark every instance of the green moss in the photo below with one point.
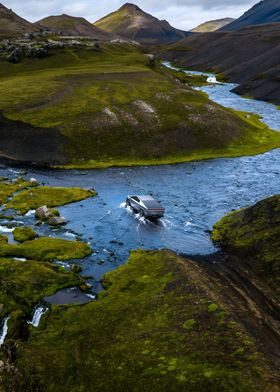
(254, 233)
(46, 248)
(133, 336)
(22, 234)
(213, 308)
(185, 78)
(7, 217)
(189, 324)
(24, 284)
(8, 188)
(50, 196)
(3, 239)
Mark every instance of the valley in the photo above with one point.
(94, 296)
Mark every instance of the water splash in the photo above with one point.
(5, 229)
(91, 296)
(4, 330)
(70, 235)
(30, 213)
(38, 313)
(212, 79)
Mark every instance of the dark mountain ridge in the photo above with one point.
(249, 57)
(70, 25)
(267, 11)
(12, 25)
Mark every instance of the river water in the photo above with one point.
(222, 94)
(195, 195)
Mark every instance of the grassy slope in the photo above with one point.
(98, 101)
(12, 24)
(47, 249)
(114, 22)
(8, 188)
(73, 26)
(24, 284)
(212, 25)
(155, 328)
(50, 196)
(254, 233)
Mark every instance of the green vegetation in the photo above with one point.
(254, 233)
(150, 330)
(213, 308)
(50, 196)
(113, 108)
(3, 239)
(22, 234)
(46, 248)
(187, 78)
(212, 25)
(24, 284)
(8, 188)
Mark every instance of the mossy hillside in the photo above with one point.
(3, 239)
(254, 233)
(46, 249)
(22, 234)
(25, 283)
(112, 106)
(151, 330)
(50, 196)
(8, 188)
(185, 78)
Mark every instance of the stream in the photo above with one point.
(206, 191)
(223, 95)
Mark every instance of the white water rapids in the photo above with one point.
(38, 313)
(4, 331)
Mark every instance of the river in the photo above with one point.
(195, 195)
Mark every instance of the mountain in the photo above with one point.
(212, 25)
(11, 24)
(267, 11)
(130, 22)
(70, 25)
(248, 57)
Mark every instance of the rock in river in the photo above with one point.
(57, 221)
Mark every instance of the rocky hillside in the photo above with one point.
(256, 48)
(72, 26)
(130, 22)
(254, 235)
(12, 25)
(266, 11)
(212, 25)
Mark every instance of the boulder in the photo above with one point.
(42, 212)
(57, 221)
(33, 181)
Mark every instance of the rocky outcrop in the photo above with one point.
(23, 142)
(51, 215)
(253, 234)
